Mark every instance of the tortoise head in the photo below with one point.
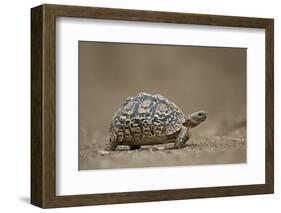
(195, 119)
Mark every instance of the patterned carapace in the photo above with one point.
(143, 116)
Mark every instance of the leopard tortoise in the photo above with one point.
(148, 119)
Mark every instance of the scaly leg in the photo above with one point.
(112, 146)
(182, 138)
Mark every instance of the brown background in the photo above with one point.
(195, 78)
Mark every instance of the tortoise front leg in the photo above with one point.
(182, 138)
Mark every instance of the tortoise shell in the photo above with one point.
(145, 115)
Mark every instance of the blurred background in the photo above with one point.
(195, 78)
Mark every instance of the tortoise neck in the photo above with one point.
(190, 123)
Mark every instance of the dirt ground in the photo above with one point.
(229, 149)
(214, 150)
(195, 78)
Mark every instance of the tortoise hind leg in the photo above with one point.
(134, 147)
(112, 146)
(182, 138)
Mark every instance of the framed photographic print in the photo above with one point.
(136, 106)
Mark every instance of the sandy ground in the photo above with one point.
(200, 151)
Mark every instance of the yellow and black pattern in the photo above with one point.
(144, 116)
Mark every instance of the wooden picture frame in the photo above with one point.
(43, 105)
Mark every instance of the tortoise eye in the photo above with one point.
(200, 114)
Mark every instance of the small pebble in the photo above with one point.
(103, 152)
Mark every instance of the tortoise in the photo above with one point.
(148, 119)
